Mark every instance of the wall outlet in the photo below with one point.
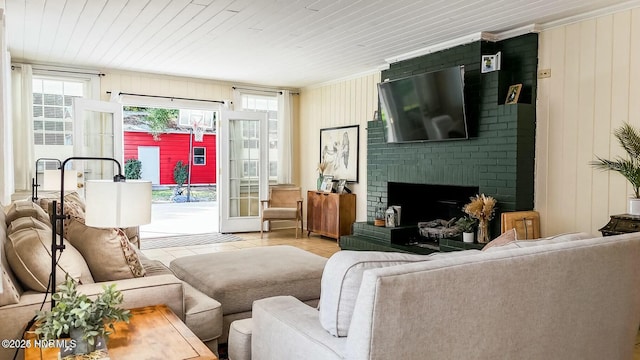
(544, 73)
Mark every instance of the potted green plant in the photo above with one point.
(467, 225)
(629, 166)
(77, 316)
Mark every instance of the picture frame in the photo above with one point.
(490, 63)
(513, 94)
(339, 149)
(327, 184)
(341, 185)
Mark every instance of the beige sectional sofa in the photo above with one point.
(18, 304)
(569, 297)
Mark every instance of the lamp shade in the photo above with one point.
(51, 180)
(117, 204)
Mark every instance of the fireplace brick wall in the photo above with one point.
(498, 159)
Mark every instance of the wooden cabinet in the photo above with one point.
(330, 214)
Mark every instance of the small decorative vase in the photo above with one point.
(483, 231)
(319, 182)
(467, 237)
(82, 345)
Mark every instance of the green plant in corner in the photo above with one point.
(629, 167)
(77, 313)
(132, 169)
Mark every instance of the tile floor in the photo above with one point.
(315, 244)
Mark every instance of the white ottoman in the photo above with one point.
(239, 345)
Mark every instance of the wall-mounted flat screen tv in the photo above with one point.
(424, 107)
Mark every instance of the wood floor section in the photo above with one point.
(315, 244)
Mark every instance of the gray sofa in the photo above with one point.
(560, 298)
(199, 312)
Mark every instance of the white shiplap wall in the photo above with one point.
(594, 87)
(342, 103)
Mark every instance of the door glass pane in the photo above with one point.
(98, 142)
(244, 189)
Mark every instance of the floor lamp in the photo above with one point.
(109, 203)
(34, 180)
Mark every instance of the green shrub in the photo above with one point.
(133, 169)
(180, 173)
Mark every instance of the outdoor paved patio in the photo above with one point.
(169, 219)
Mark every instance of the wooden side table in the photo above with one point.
(153, 332)
(621, 224)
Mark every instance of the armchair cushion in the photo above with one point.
(280, 213)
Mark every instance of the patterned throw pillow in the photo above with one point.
(108, 252)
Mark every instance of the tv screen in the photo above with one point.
(424, 107)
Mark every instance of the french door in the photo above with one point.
(243, 171)
(97, 132)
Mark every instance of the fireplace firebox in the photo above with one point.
(425, 202)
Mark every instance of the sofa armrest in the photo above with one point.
(286, 328)
(137, 292)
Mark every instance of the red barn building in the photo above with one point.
(159, 158)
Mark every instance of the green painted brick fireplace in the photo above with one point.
(499, 157)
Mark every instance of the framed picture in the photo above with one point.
(513, 94)
(341, 184)
(490, 63)
(339, 148)
(327, 184)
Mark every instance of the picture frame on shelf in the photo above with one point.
(339, 149)
(513, 94)
(327, 184)
(341, 186)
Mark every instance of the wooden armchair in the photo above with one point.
(285, 203)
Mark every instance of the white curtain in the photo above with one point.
(285, 140)
(6, 125)
(22, 108)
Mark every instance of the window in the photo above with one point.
(199, 156)
(268, 104)
(53, 110)
(250, 168)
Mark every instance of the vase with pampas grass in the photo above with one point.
(483, 209)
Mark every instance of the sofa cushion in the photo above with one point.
(506, 237)
(543, 241)
(27, 223)
(26, 208)
(342, 277)
(29, 255)
(108, 252)
(11, 289)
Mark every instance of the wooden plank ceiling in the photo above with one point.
(267, 42)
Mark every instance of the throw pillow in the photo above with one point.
(29, 255)
(108, 252)
(341, 280)
(26, 208)
(506, 237)
(11, 290)
(27, 223)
